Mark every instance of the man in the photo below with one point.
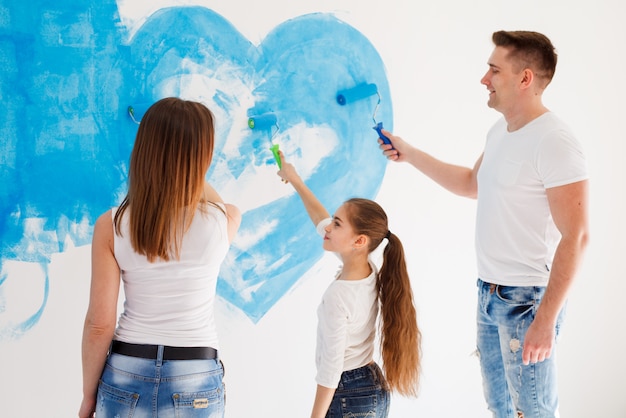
(531, 229)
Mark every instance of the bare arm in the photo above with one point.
(457, 179)
(313, 206)
(234, 220)
(102, 311)
(323, 398)
(317, 213)
(568, 206)
(210, 194)
(232, 212)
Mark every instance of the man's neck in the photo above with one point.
(520, 119)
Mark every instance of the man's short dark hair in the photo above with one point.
(531, 50)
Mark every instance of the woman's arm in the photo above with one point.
(234, 220)
(233, 214)
(102, 311)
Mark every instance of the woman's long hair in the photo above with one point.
(400, 336)
(168, 165)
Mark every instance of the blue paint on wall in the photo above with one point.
(68, 74)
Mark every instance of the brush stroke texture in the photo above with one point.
(67, 77)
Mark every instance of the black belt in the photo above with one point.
(169, 353)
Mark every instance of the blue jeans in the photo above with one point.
(145, 388)
(512, 389)
(361, 393)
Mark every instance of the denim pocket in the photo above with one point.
(114, 402)
(517, 295)
(359, 406)
(198, 404)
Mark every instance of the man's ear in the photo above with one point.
(527, 78)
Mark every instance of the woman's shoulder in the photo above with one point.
(103, 228)
(106, 218)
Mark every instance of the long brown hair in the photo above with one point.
(168, 165)
(400, 336)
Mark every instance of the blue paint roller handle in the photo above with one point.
(379, 128)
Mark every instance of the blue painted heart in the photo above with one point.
(192, 52)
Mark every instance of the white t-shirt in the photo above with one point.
(172, 302)
(515, 235)
(346, 326)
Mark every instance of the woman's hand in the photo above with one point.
(87, 408)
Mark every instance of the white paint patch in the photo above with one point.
(304, 146)
(251, 237)
(22, 291)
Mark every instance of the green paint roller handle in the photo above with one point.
(274, 149)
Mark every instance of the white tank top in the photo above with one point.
(172, 302)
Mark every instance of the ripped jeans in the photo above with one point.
(511, 389)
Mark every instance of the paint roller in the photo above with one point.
(360, 92)
(137, 111)
(266, 122)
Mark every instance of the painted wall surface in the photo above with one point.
(69, 73)
(74, 112)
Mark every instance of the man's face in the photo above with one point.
(502, 81)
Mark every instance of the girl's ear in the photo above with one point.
(360, 242)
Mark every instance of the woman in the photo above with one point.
(349, 382)
(166, 241)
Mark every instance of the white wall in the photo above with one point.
(435, 54)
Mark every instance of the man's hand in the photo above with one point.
(538, 342)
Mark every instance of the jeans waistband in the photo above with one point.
(149, 351)
(371, 371)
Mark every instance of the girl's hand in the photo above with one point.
(287, 173)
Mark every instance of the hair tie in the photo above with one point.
(388, 234)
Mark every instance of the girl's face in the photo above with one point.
(340, 236)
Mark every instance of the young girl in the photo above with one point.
(349, 382)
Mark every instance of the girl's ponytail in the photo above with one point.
(400, 335)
